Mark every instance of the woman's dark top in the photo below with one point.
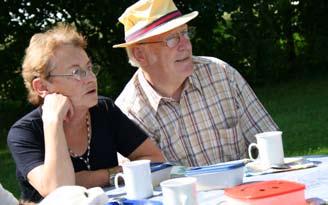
(112, 132)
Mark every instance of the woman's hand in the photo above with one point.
(56, 107)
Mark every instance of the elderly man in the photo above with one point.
(199, 110)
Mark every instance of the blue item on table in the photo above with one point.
(226, 166)
(155, 166)
(135, 202)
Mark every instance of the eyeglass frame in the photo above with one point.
(79, 77)
(186, 33)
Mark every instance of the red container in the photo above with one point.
(275, 192)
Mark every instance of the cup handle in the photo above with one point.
(250, 150)
(116, 179)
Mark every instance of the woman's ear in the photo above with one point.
(40, 86)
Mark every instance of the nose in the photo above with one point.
(184, 42)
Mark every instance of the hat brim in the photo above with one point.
(161, 29)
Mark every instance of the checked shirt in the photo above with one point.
(214, 121)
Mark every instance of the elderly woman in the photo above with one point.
(74, 135)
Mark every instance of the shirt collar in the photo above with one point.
(194, 78)
(153, 97)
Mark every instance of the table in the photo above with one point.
(315, 179)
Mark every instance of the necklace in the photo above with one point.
(85, 160)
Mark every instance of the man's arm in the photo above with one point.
(255, 118)
(147, 150)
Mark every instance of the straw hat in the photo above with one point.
(148, 18)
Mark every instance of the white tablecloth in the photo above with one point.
(315, 180)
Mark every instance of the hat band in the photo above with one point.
(154, 24)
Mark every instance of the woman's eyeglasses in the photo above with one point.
(78, 73)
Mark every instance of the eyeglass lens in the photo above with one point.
(81, 73)
(173, 40)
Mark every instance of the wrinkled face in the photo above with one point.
(170, 62)
(72, 76)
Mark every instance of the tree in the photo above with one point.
(265, 40)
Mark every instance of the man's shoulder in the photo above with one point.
(131, 96)
(199, 60)
(133, 103)
(205, 65)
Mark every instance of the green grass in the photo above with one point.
(7, 167)
(300, 108)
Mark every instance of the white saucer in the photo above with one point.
(289, 160)
(257, 166)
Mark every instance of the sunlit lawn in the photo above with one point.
(300, 108)
(7, 168)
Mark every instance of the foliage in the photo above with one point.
(267, 41)
(264, 40)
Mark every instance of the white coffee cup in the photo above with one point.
(269, 145)
(137, 179)
(180, 191)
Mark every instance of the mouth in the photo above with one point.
(182, 60)
(92, 91)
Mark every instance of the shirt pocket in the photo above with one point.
(232, 142)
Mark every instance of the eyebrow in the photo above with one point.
(76, 65)
(179, 31)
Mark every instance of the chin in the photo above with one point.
(91, 101)
(188, 68)
(94, 101)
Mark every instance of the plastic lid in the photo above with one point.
(258, 190)
(227, 166)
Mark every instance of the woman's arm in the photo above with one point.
(57, 169)
(101, 177)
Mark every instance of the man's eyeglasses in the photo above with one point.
(78, 73)
(173, 40)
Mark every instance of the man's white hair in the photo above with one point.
(132, 60)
